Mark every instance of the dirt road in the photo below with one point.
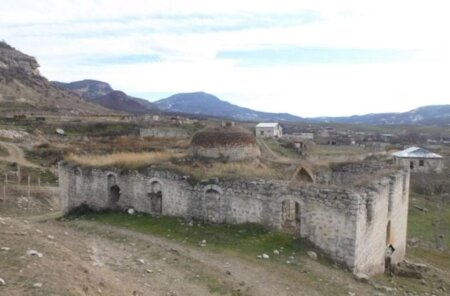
(16, 154)
(87, 258)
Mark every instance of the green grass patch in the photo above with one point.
(3, 151)
(420, 223)
(281, 149)
(101, 129)
(244, 239)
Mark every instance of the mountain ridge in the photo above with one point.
(103, 94)
(24, 90)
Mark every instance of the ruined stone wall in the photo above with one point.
(382, 220)
(164, 132)
(333, 219)
(230, 152)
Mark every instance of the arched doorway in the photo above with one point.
(212, 206)
(155, 196)
(113, 191)
(303, 175)
(291, 216)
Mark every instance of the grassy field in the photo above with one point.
(3, 151)
(248, 240)
(420, 226)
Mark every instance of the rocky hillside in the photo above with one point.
(118, 100)
(439, 114)
(102, 93)
(206, 104)
(23, 90)
(89, 89)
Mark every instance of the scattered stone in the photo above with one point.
(37, 285)
(5, 249)
(288, 262)
(351, 294)
(276, 252)
(131, 211)
(60, 131)
(141, 261)
(149, 271)
(50, 237)
(361, 277)
(34, 253)
(2, 282)
(265, 256)
(312, 255)
(259, 257)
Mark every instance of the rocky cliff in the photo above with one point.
(24, 91)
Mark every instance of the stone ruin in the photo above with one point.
(348, 217)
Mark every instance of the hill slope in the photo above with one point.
(210, 105)
(102, 93)
(438, 114)
(24, 90)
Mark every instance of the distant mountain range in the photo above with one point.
(438, 114)
(206, 104)
(103, 94)
(209, 105)
(24, 90)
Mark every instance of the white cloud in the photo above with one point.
(68, 36)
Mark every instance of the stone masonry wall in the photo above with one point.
(382, 220)
(333, 219)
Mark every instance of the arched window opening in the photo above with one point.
(211, 206)
(303, 175)
(388, 233)
(156, 196)
(291, 216)
(369, 211)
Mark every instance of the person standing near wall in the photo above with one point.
(388, 259)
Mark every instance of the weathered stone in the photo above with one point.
(361, 277)
(312, 255)
(349, 225)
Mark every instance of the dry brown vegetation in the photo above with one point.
(230, 170)
(124, 159)
(219, 136)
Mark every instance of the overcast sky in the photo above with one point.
(309, 58)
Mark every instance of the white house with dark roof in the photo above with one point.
(269, 130)
(419, 160)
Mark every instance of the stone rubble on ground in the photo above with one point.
(34, 253)
(276, 252)
(37, 285)
(312, 255)
(361, 277)
(5, 249)
(2, 282)
(265, 256)
(131, 211)
(141, 261)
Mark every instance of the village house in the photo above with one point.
(419, 160)
(269, 130)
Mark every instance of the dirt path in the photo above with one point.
(16, 154)
(88, 258)
(269, 155)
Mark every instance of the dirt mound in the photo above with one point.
(230, 136)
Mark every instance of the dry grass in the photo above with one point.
(232, 170)
(125, 159)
